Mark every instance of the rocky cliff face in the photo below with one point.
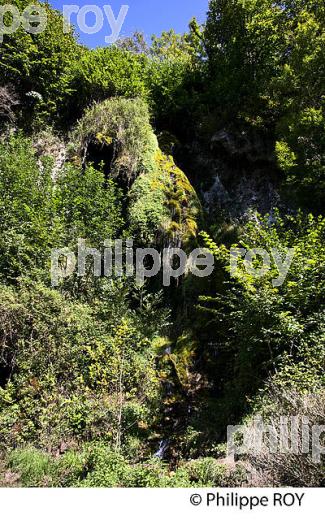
(234, 172)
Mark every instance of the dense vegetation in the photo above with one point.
(214, 138)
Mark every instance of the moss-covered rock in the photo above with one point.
(182, 358)
(164, 206)
(122, 127)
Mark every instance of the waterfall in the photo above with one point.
(162, 449)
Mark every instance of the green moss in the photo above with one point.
(182, 357)
(123, 124)
(163, 204)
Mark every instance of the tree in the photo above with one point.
(39, 65)
(266, 65)
(103, 73)
(255, 328)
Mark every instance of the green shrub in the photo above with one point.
(294, 466)
(206, 472)
(104, 73)
(32, 465)
(40, 67)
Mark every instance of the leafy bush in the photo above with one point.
(105, 73)
(70, 374)
(33, 466)
(295, 466)
(27, 225)
(39, 66)
(98, 465)
(255, 329)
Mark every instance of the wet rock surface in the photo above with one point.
(234, 172)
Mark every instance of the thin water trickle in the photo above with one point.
(162, 449)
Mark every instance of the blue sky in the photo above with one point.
(149, 16)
